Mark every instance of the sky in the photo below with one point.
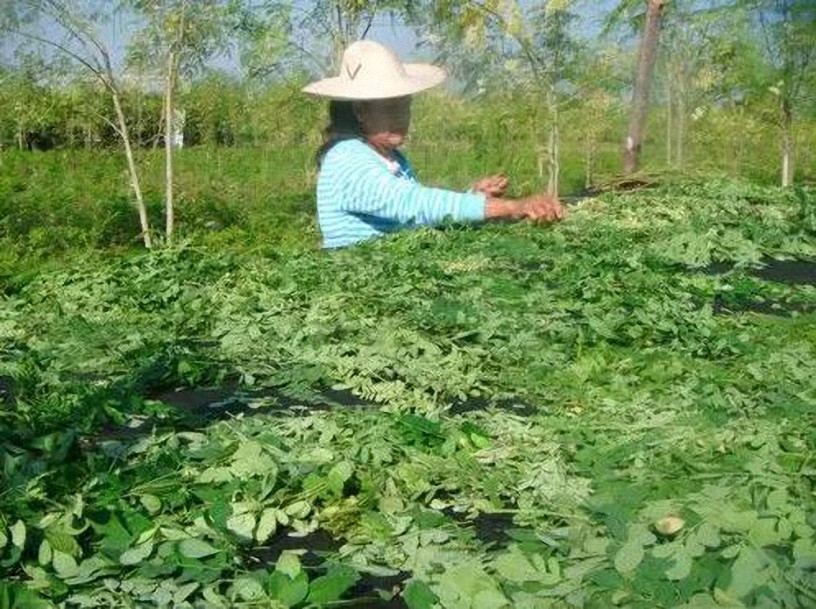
(396, 35)
(114, 34)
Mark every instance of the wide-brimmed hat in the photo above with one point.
(370, 70)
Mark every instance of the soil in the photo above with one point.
(317, 545)
(764, 307)
(621, 185)
(194, 408)
(489, 528)
(493, 529)
(477, 404)
(535, 266)
(789, 271)
(365, 590)
(6, 390)
(792, 272)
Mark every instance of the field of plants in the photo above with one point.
(201, 409)
(617, 411)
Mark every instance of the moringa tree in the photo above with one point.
(644, 75)
(341, 22)
(70, 30)
(788, 29)
(177, 38)
(530, 45)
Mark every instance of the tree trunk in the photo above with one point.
(553, 144)
(736, 148)
(158, 135)
(669, 123)
(169, 142)
(589, 160)
(681, 129)
(787, 145)
(134, 174)
(643, 80)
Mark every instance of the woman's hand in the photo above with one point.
(492, 186)
(537, 208)
(542, 207)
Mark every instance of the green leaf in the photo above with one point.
(489, 599)
(747, 573)
(196, 548)
(779, 500)
(418, 595)
(151, 503)
(248, 588)
(693, 548)
(724, 600)
(213, 598)
(288, 564)
(251, 460)
(784, 529)
(184, 592)
(62, 541)
(342, 470)
(628, 557)
(333, 585)
(17, 596)
(804, 552)
(3, 538)
(267, 525)
(289, 591)
(89, 570)
(137, 554)
(730, 551)
(764, 533)
(708, 535)
(18, 534)
(640, 533)
(298, 509)
(45, 553)
(666, 550)
(65, 565)
(242, 525)
(117, 538)
(338, 475)
(681, 568)
(516, 567)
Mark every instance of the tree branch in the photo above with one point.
(371, 14)
(95, 69)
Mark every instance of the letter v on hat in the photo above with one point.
(370, 70)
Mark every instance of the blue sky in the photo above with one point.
(114, 34)
(397, 35)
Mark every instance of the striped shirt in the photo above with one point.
(361, 194)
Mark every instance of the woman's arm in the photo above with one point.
(367, 187)
(535, 208)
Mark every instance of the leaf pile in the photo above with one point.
(582, 390)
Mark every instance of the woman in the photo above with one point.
(366, 187)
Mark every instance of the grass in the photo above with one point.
(502, 417)
(54, 205)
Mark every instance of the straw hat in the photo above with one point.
(370, 70)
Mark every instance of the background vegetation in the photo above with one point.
(540, 91)
(617, 410)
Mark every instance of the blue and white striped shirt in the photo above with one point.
(361, 195)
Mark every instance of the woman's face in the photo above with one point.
(385, 122)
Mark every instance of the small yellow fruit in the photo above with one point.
(670, 525)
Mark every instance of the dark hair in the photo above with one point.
(343, 125)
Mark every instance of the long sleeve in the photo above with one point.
(366, 186)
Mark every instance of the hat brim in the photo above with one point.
(419, 77)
